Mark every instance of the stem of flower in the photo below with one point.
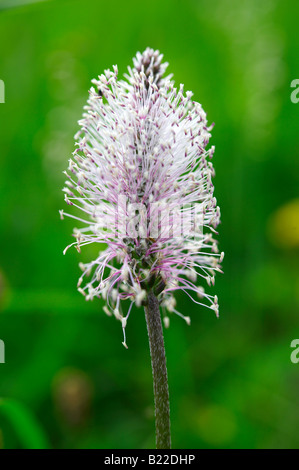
(157, 350)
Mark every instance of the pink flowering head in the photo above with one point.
(142, 177)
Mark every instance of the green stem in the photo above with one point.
(161, 394)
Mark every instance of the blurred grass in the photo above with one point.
(30, 434)
(7, 4)
(231, 380)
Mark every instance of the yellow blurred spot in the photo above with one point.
(216, 425)
(283, 225)
(72, 393)
(4, 291)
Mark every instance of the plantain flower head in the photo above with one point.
(142, 178)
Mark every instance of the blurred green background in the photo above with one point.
(68, 382)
